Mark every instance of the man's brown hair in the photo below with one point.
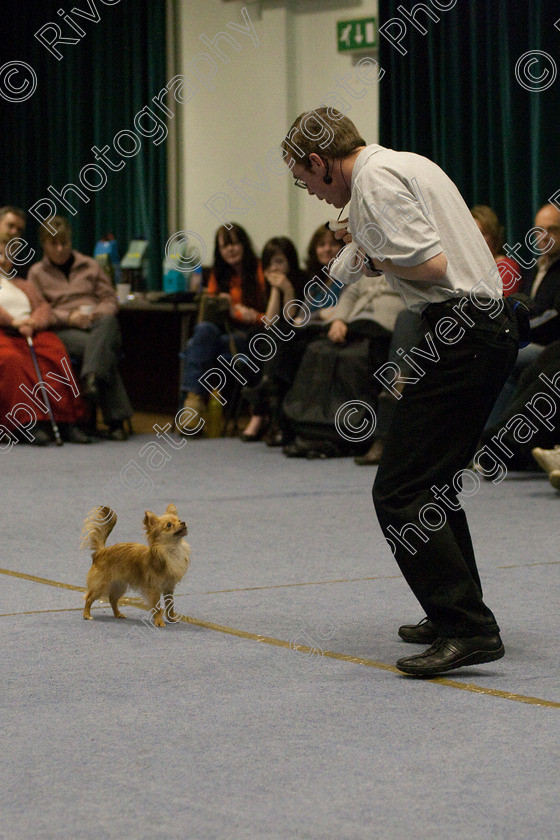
(17, 211)
(324, 131)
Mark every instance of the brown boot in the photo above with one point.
(189, 421)
(372, 456)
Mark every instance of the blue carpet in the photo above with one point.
(113, 729)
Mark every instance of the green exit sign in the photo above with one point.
(356, 34)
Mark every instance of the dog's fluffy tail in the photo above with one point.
(97, 526)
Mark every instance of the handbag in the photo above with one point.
(215, 310)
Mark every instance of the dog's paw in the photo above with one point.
(159, 622)
(88, 617)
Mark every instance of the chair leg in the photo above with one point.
(231, 411)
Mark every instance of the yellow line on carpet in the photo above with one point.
(46, 581)
(270, 640)
(369, 663)
(525, 565)
(208, 592)
(288, 585)
(38, 612)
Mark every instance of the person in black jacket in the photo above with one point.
(531, 419)
(543, 287)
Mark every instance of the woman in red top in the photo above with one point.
(493, 232)
(23, 411)
(236, 276)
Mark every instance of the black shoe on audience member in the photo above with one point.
(117, 432)
(372, 456)
(257, 436)
(275, 436)
(71, 433)
(40, 437)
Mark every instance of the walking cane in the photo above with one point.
(56, 432)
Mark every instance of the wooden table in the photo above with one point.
(154, 334)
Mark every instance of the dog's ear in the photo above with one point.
(171, 509)
(150, 520)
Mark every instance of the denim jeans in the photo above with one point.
(201, 353)
(433, 436)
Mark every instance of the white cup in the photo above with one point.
(123, 291)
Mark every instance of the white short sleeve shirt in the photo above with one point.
(406, 209)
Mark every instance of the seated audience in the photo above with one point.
(279, 373)
(531, 419)
(236, 277)
(25, 314)
(544, 290)
(549, 460)
(493, 232)
(281, 269)
(12, 223)
(544, 286)
(408, 331)
(366, 309)
(84, 306)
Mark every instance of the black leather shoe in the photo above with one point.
(258, 436)
(448, 654)
(73, 434)
(117, 433)
(423, 633)
(40, 438)
(372, 456)
(276, 437)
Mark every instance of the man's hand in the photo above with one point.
(431, 271)
(343, 233)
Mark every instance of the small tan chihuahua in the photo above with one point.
(154, 570)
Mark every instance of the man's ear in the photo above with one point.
(317, 163)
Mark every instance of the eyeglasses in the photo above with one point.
(299, 183)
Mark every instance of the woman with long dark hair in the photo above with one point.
(281, 269)
(236, 277)
(279, 373)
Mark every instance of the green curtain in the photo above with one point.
(455, 97)
(83, 100)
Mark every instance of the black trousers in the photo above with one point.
(280, 372)
(433, 436)
(516, 454)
